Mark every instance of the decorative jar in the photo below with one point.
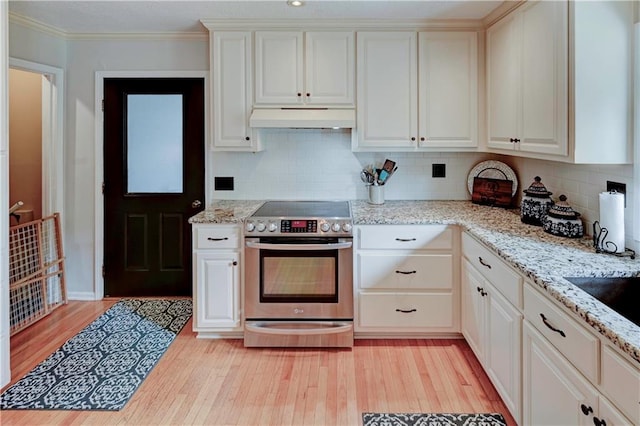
(535, 203)
(562, 220)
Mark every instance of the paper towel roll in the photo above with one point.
(612, 218)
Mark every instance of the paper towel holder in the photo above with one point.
(609, 247)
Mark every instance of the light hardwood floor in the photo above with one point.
(219, 382)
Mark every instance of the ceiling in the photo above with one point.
(170, 16)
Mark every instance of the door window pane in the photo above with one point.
(154, 144)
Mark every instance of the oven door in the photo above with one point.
(299, 278)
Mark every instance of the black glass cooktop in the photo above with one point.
(302, 209)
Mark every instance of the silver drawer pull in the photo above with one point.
(552, 328)
(217, 239)
(406, 272)
(405, 240)
(406, 311)
(483, 263)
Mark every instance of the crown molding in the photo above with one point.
(35, 25)
(501, 11)
(343, 24)
(56, 32)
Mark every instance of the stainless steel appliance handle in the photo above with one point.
(335, 328)
(330, 246)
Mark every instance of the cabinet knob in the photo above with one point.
(413, 139)
(234, 263)
(422, 139)
(599, 422)
(299, 94)
(247, 138)
(308, 94)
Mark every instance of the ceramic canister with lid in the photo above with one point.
(562, 220)
(535, 203)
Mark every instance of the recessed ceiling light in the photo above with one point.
(295, 3)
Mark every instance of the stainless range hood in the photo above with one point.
(302, 118)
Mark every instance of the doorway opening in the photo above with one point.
(35, 140)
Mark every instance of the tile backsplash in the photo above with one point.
(305, 164)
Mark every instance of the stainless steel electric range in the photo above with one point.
(298, 275)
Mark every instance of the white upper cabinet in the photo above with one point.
(527, 65)
(417, 91)
(387, 90)
(304, 69)
(448, 89)
(559, 81)
(602, 75)
(231, 71)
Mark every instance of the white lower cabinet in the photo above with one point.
(568, 372)
(555, 393)
(216, 275)
(405, 280)
(492, 327)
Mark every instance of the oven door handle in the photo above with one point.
(333, 328)
(330, 246)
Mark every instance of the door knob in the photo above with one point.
(196, 203)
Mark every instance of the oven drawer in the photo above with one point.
(416, 271)
(409, 237)
(406, 310)
(216, 237)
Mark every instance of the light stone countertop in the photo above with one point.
(545, 259)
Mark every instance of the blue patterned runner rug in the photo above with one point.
(102, 366)
(431, 419)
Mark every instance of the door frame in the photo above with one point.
(52, 134)
(98, 286)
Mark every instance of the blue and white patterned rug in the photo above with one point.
(102, 366)
(432, 419)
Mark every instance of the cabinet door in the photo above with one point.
(232, 91)
(608, 414)
(448, 89)
(473, 309)
(279, 68)
(502, 351)
(387, 90)
(218, 288)
(554, 393)
(544, 77)
(503, 96)
(329, 68)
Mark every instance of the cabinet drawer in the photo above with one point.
(216, 236)
(410, 237)
(621, 383)
(406, 310)
(570, 338)
(506, 280)
(415, 271)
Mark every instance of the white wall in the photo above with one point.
(81, 59)
(85, 57)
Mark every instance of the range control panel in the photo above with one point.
(298, 226)
(316, 227)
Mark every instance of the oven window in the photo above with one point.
(294, 276)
